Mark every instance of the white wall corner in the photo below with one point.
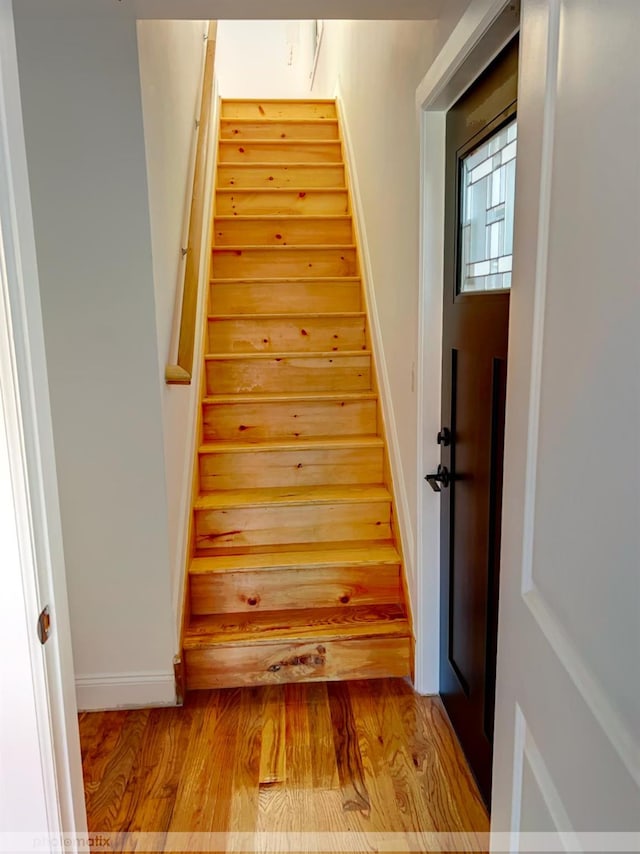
(125, 690)
(181, 555)
(386, 401)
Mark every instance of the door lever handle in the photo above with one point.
(441, 478)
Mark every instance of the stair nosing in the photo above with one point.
(302, 189)
(280, 217)
(285, 120)
(284, 280)
(203, 566)
(271, 164)
(297, 247)
(312, 140)
(307, 444)
(275, 397)
(294, 315)
(295, 354)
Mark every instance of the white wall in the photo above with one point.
(264, 59)
(377, 66)
(80, 90)
(171, 67)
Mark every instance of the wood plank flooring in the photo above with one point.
(336, 758)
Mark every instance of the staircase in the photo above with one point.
(296, 572)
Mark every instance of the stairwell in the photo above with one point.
(296, 572)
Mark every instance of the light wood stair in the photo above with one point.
(296, 570)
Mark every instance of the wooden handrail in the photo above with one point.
(181, 372)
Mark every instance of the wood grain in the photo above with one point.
(305, 201)
(338, 758)
(290, 416)
(182, 370)
(280, 151)
(292, 372)
(292, 467)
(283, 333)
(307, 465)
(280, 175)
(283, 261)
(285, 294)
(282, 230)
(291, 128)
(251, 108)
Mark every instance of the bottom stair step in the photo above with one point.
(328, 644)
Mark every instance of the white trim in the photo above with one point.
(525, 748)
(386, 402)
(125, 690)
(540, 298)
(620, 735)
(182, 550)
(43, 559)
(483, 30)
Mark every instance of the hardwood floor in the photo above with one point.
(334, 758)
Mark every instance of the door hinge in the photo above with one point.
(44, 625)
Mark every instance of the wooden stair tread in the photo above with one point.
(281, 142)
(283, 315)
(280, 217)
(281, 190)
(226, 101)
(269, 164)
(288, 397)
(263, 627)
(239, 249)
(292, 495)
(376, 554)
(284, 280)
(322, 354)
(333, 442)
(283, 120)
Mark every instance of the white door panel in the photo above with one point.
(568, 698)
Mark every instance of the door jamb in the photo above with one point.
(484, 29)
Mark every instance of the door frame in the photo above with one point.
(33, 548)
(484, 30)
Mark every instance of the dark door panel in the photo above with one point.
(474, 370)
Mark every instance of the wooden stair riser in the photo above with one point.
(282, 231)
(247, 297)
(286, 334)
(293, 129)
(284, 261)
(270, 202)
(279, 175)
(274, 109)
(277, 663)
(307, 419)
(274, 151)
(295, 373)
(285, 589)
(304, 523)
(302, 467)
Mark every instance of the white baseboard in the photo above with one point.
(399, 483)
(103, 691)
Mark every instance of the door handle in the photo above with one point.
(441, 476)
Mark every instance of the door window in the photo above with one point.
(487, 192)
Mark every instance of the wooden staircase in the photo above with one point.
(296, 572)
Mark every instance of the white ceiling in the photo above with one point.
(239, 9)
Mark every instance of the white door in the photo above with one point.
(567, 751)
(40, 772)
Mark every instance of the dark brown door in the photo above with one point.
(480, 182)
